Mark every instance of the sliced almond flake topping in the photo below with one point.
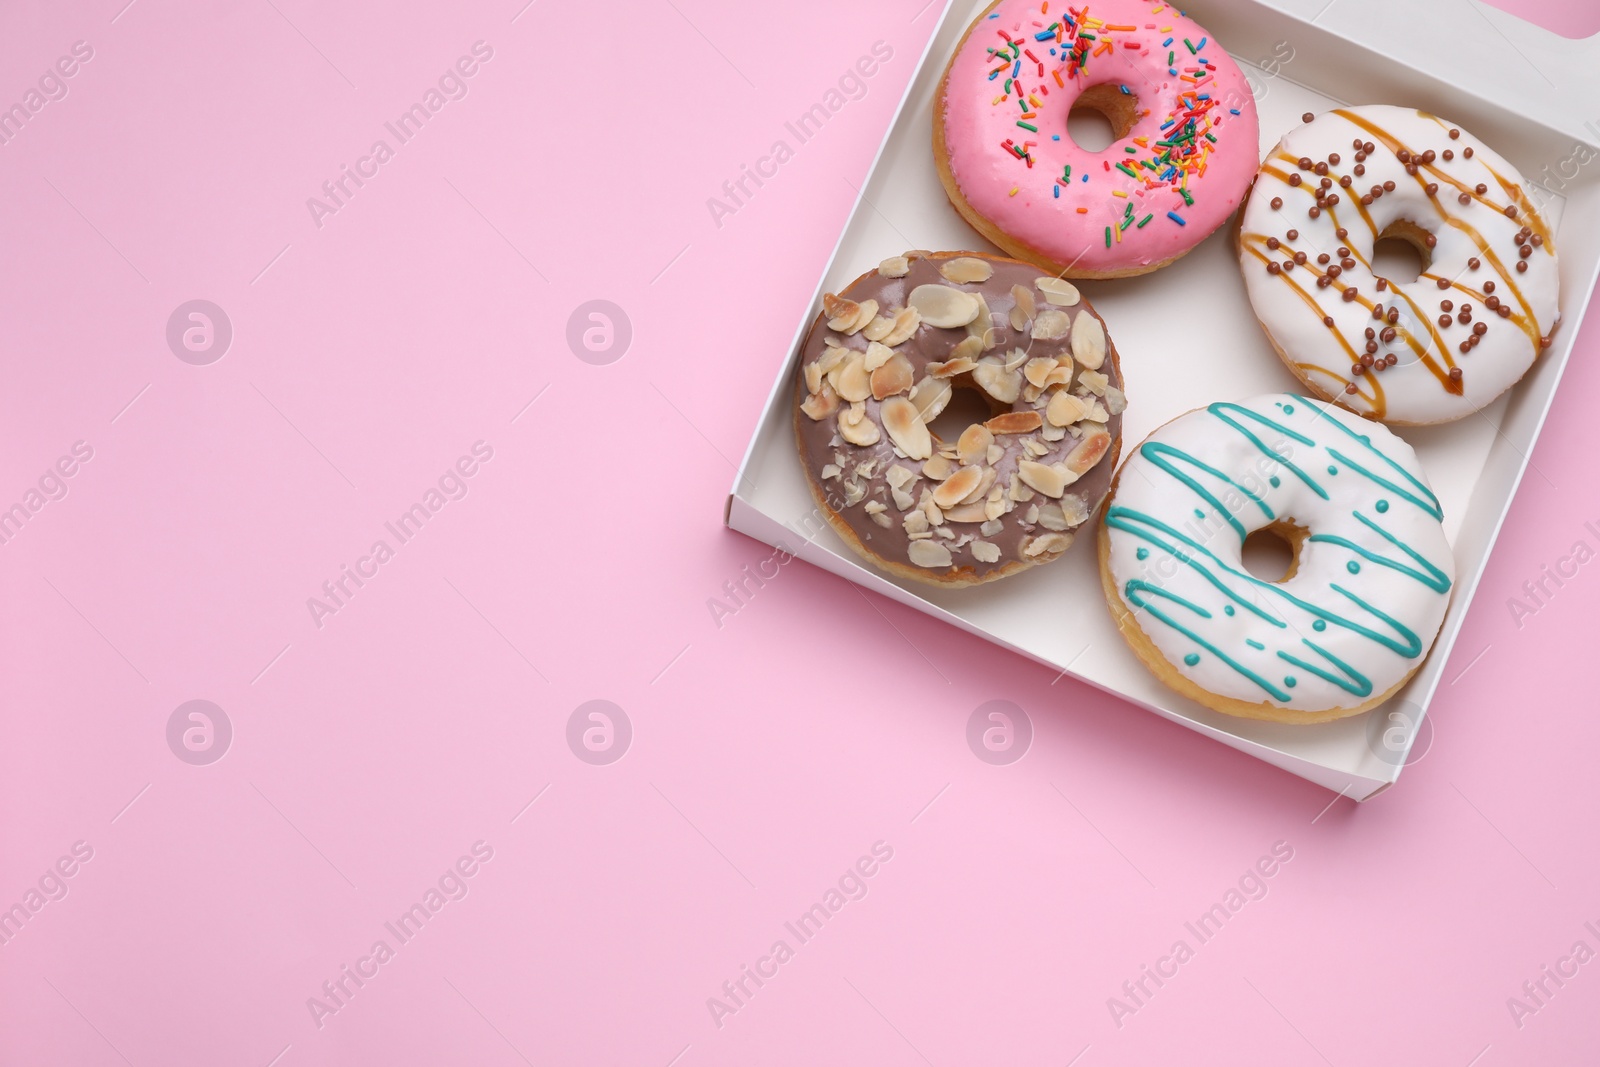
(1058, 291)
(874, 507)
(866, 469)
(939, 468)
(967, 513)
(993, 454)
(906, 428)
(895, 267)
(899, 477)
(869, 311)
(1094, 381)
(970, 348)
(1089, 451)
(1053, 433)
(984, 552)
(856, 428)
(841, 312)
(982, 327)
(1088, 340)
(930, 509)
(1018, 320)
(1005, 386)
(851, 381)
(1074, 509)
(1097, 412)
(853, 492)
(930, 396)
(1015, 422)
(891, 379)
(951, 368)
(1062, 375)
(928, 554)
(1052, 481)
(1025, 301)
(877, 355)
(830, 470)
(1116, 402)
(905, 324)
(954, 488)
(916, 525)
(813, 376)
(1051, 518)
(831, 358)
(1031, 516)
(984, 484)
(1015, 359)
(966, 270)
(1065, 409)
(902, 500)
(878, 328)
(1050, 544)
(973, 445)
(1051, 325)
(821, 404)
(940, 305)
(1034, 448)
(1037, 370)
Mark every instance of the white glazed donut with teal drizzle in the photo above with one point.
(1362, 602)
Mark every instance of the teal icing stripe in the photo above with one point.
(1136, 586)
(1353, 682)
(1218, 409)
(1166, 457)
(1431, 576)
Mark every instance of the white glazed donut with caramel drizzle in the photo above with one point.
(1419, 352)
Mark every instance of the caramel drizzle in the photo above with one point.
(1523, 207)
(1376, 400)
(1526, 322)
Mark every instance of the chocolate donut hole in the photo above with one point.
(968, 404)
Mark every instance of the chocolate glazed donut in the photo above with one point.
(987, 499)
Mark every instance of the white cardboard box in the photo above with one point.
(1516, 87)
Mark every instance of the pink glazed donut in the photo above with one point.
(1186, 148)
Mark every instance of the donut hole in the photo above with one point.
(1272, 553)
(1101, 116)
(967, 405)
(1401, 252)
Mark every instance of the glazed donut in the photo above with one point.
(1186, 135)
(1362, 601)
(883, 361)
(1408, 353)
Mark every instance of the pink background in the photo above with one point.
(767, 753)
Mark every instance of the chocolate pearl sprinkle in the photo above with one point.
(1372, 346)
(1411, 169)
(1474, 263)
(1388, 187)
(1377, 311)
(1277, 202)
(1323, 258)
(1445, 305)
(1341, 233)
(1454, 133)
(1350, 294)
(1428, 156)
(1347, 263)
(1288, 264)
(1464, 198)
(1448, 155)
(1342, 252)
(1383, 283)
(1493, 303)
(1403, 155)
(1273, 268)
(1360, 169)
(1511, 211)
(1488, 287)
(1432, 188)
(1455, 374)
(1300, 257)
(1466, 308)
(1504, 311)
(1293, 235)
(1320, 168)
(1335, 270)
(1369, 148)
(1333, 159)
(1307, 117)
(1536, 240)
(1351, 388)
(1525, 251)
(1464, 318)
(1444, 283)
(1333, 199)
(1388, 333)
(1326, 183)
(1327, 320)
(1466, 153)
(1464, 347)
(1358, 370)
(1370, 333)
(1480, 188)
(1522, 266)
(1367, 360)
(1273, 242)
(1324, 281)
(1391, 359)
(1430, 240)
(1344, 181)
(1304, 163)
(1480, 328)
(1356, 144)
(1294, 179)
(1444, 320)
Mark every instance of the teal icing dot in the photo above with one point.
(1382, 506)
(1228, 609)
(1199, 514)
(1353, 567)
(1288, 409)
(1290, 682)
(1333, 470)
(1143, 553)
(1192, 658)
(1274, 481)
(1319, 625)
